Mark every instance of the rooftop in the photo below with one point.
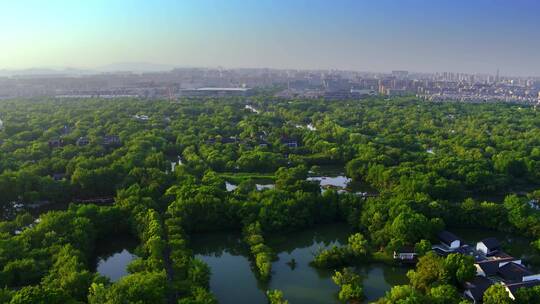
(513, 272)
(224, 89)
(478, 286)
(448, 237)
(491, 266)
(514, 287)
(491, 243)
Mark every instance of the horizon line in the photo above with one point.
(108, 68)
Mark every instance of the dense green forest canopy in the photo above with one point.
(430, 164)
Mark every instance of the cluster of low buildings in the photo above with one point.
(493, 266)
(260, 141)
(106, 141)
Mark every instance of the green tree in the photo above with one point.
(38, 295)
(358, 244)
(496, 294)
(199, 296)
(459, 267)
(430, 271)
(403, 294)
(528, 295)
(350, 285)
(422, 247)
(276, 297)
(444, 294)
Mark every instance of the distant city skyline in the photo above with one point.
(424, 36)
(147, 67)
(304, 84)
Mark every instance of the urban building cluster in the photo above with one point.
(327, 84)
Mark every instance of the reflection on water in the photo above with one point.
(113, 255)
(328, 177)
(233, 281)
(379, 278)
(230, 187)
(115, 266)
(342, 182)
(260, 187)
(334, 177)
(303, 283)
(335, 181)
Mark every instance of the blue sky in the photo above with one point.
(374, 35)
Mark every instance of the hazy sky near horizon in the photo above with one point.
(374, 35)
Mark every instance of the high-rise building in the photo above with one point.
(400, 74)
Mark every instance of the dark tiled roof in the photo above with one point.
(513, 272)
(478, 286)
(491, 267)
(58, 176)
(500, 255)
(447, 237)
(491, 243)
(514, 287)
(229, 140)
(288, 140)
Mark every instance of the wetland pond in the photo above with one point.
(328, 177)
(233, 281)
(113, 255)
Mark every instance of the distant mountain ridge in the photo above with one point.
(45, 72)
(135, 67)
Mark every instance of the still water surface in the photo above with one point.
(113, 255)
(233, 281)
